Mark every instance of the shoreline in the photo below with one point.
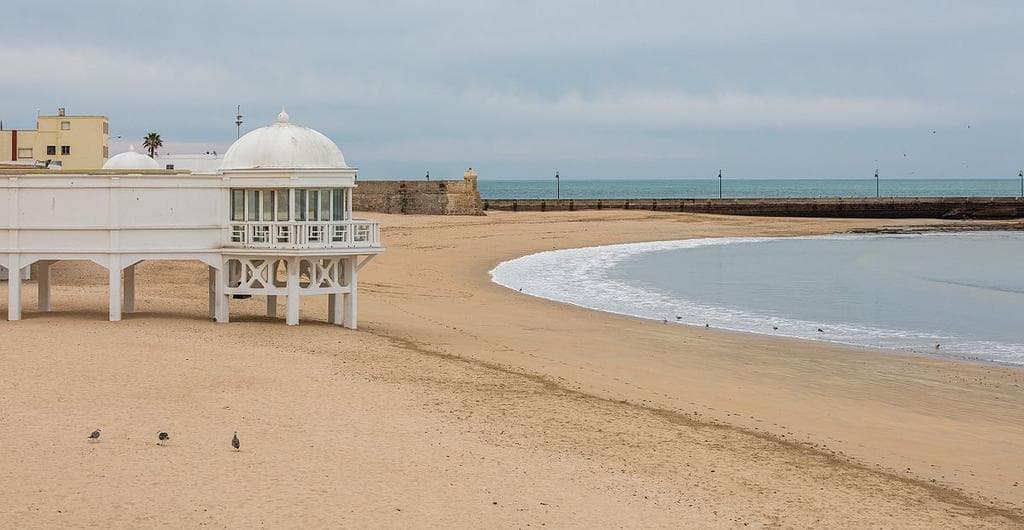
(461, 402)
(503, 273)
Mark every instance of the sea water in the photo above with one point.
(962, 292)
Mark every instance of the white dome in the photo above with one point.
(131, 159)
(283, 145)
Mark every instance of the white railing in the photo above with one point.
(355, 233)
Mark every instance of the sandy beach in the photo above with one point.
(462, 403)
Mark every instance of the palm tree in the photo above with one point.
(152, 142)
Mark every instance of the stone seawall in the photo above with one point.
(430, 197)
(885, 207)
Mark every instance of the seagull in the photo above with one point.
(707, 325)
(775, 328)
(679, 318)
(937, 346)
(234, 441)
(163, 437)
(821, 330)
(95, 435)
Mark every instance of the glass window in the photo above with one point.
(65, 149)
(338, 198)
(312, 205)
(268, 205)
(252, 200)
(237, 205)
(325, 205)
(300, 205)
(51, 149)
(282, 205)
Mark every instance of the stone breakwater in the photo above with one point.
(871, 207)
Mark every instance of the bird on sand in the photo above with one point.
(234, 441)
(95, 435)
(163, 437)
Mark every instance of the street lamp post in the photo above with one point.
(1021, 175)
(876, 184)
(558, 187)
(719, 183)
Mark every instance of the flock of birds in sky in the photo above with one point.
(907, 158)
(162, 437)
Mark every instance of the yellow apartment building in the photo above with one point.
(77, 142)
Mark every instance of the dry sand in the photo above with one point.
(463, 403)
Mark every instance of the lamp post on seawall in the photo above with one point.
(719, 183)
(558, 187)
(1021, 175)
(876, 183)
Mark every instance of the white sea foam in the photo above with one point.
(580, 277)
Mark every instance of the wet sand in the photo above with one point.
(460, 402)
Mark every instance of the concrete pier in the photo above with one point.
(870, 207)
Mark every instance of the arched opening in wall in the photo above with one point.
(78, 288)
(178, 288)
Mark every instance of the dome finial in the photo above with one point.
(283, 116)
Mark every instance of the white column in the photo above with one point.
(272, 305)
(13, 288)
(351, 298)
(220, 282)
(114, 287)
(293, 292)
(211, 291)
(129, 289)
(334, 308)
(43, 283)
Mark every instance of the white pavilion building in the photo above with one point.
(274, 220)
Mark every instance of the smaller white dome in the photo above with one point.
(131, 159)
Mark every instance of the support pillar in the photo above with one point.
(114, 288)
(221, 298)
(334, 309)
(351, 298)
(129, 289)
(211, 291)
(272, 305)
(13, 288)
(43, 283)
(293, 292)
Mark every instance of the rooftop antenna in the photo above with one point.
(238, 121)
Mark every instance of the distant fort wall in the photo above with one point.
(430, 197)
(871, 207)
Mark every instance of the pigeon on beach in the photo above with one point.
(163, 437)
(234, 441)
(95, 435)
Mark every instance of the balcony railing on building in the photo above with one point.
(354, 233)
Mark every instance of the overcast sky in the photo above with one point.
(518, 89)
